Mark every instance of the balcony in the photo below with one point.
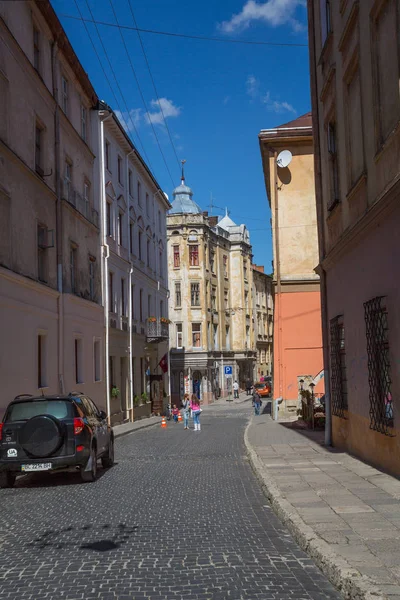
(70, 195)
(157, 330)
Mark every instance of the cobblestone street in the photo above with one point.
(181, 515)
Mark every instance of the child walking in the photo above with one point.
(186, 411)
(175, 413)
(196, 410)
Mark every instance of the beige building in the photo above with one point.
(262, 319)
(355, 69)
(134, 274)
(51, 318)
(210, 282)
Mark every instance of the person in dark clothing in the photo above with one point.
(249, 385)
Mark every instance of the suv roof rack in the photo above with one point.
(23, 396)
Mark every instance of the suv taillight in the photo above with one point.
(1, 430)
(78, 425)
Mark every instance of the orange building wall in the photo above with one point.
(297, 341)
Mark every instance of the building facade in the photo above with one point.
(354, 57)
(210, 306)
(133, 215)
(51, 316)
(297, 303)
(263, 315)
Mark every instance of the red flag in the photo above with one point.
(164, 363)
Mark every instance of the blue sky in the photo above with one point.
(216, 97)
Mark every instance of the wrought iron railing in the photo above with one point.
(157, 330)
(76, 199)
(338, 368)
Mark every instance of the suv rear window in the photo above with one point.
(259, 386)
(22, 411)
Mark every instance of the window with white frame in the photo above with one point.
(196, 335)
(179, 335)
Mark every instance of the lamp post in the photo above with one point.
(312, 386)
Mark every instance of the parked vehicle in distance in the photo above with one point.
(49, 433)
(263, 388)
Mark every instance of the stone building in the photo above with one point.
(134, 273)
(51, 318)
(297, 300)
(210, 282)
(263, 315)
(355, 68)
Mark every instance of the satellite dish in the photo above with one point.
(284, 159)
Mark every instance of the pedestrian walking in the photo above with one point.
(249, 385)
(186, 411)
(256, 402)
(175, 413)
(196, 410)
(236, 389)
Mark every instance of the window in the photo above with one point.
(68, 180)
(161, 264)
(140, 244)
(178, 295)
(109, 223)
(131, 237)
(64, 94)
(245, 269)
(216, 345)
(159, 221)
(333, 166)
(195, 294)
(73, 253)
(225, 263)
(130, 182)
(92, 268)
(354, 127)
(338, 367)
(227, 338)
(326, 19)
(120, 174)
(148, 253)
(147, 205)
(120, 228)
(36, 49)
(196, 335)
(212, 261)
(132, 301)
(42, 361)
(111, 292)
(83, 122)
(141, 305)
(247, 337)
(38, 150)
(78, 360)
(108, 156)
(86, 197)
(42, 253)
(194, 256)
(380, 393)
(97, 360)
(123, 299)
(111, 371)
(179, 335)
(214, 298)
(177, 258)
(387, 69)
(246, 301)
(226, 299)
(139, 194)
(149, 305)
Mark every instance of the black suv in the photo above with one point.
(47, 433)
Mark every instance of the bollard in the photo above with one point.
(276, 408)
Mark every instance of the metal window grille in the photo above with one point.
(338, 368)
(380, 396)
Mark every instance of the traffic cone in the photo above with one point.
(179, 417)
(163, 422)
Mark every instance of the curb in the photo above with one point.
(145, 425)
(343, 576)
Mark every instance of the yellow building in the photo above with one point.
(210, 306)
(263, 311)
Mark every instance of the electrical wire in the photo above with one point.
(153, 82)
(192, 37)
(141, 93)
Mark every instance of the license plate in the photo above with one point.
(36, 467)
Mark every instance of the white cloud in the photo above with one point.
(252, 86)
(131, 119)
(272, 12)
(168, 110)
(276, 106)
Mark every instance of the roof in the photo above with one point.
(183, 202)
(303, 121)
(300, 127)
(226, 222)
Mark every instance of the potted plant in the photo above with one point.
(145, 398)
(115, 391)
(136, 401)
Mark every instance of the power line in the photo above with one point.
(153, 82)
(141, 93)
(191, 37)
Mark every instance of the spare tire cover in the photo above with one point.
(41, 436)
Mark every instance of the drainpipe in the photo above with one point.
(59, 236)
(130, 369)
(278, 272)
(106, 254)
(320, 219)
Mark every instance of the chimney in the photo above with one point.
(213, 221)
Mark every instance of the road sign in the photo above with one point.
(228, 370)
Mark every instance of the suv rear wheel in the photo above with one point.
(108, 460)
(7, 479)
(91, 475)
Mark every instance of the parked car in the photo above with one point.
(49, 433)
(263, 388)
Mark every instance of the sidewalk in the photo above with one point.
(129, 427)
(243, 397)
(344, 513)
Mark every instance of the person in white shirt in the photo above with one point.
(236, 390)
